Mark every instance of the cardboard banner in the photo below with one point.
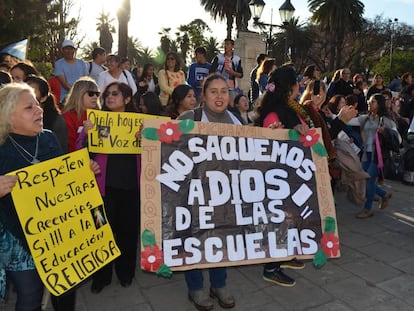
(63, 218)
(223, 195)
(114, 132)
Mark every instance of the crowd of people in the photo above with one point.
(44, 118)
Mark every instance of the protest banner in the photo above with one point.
(63, 218)
(223, 195)
(114, 132)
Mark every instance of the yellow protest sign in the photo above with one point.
(62, 215)
(114, 132)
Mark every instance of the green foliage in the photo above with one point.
(21, 19)
(402, 61)
(45, 68)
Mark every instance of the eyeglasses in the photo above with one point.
(93, 93)
(113, 93)
(170, 58)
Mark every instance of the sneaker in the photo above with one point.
(226, 301)
(293, 264)
(385, 200)
(200, 299)
(365, 213)
(278, 277)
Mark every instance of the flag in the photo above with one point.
(16, 49)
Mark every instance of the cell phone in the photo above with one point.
(316, 87)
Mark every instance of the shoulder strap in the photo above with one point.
(126, 77)
(198, 113)
(90, 67)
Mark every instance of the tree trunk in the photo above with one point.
(123, 19)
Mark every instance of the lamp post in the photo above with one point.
(256, 8)
(286, 12)
(392, 28)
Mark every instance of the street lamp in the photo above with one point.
(392, 28)
(256, 8)
(286, 13)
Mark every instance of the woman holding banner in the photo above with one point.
(23, 142)
(279, 109)
(119, 186)
(214, 109)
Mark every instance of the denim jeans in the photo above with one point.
(372, 187)
(194, 278)
(29, 289)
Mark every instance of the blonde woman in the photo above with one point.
(23, 142)
(83, 95)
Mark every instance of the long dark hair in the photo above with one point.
(152, 102)
(177, 66)
(179, 93)
(144, 73)
(382, 108)
(126, 92)
(276, 100)
(50, 107)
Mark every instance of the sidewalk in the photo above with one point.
(375, 272)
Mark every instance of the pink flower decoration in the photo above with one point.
(310, 138)
(169, 132)
(271, 87)
(330, 244)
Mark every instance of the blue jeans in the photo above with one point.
(372, 187)
(194, 278)
(29, 289)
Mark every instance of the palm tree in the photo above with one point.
(337, 19)
(212, 47)
(133, 51)
(221, 10)
(105, 28)
(300, 39)
(124, 14)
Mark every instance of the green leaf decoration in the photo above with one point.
(186, 125)
(150, 133)
(294, 135)
(320, 259)
(164, 271)
(329, 224)
(319, 149)
(148, 238)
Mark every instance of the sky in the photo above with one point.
(148, 17)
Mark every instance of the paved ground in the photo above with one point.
(375, 272)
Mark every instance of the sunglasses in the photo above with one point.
(93, 93)
(113, 93)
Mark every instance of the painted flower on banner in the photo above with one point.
(310, 138)
(169, 132)
(330, 244)
(151, 258)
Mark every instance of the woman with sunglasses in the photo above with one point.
(83, 95)
(119, 186)
(170, 77)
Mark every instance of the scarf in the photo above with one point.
(320, 122)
